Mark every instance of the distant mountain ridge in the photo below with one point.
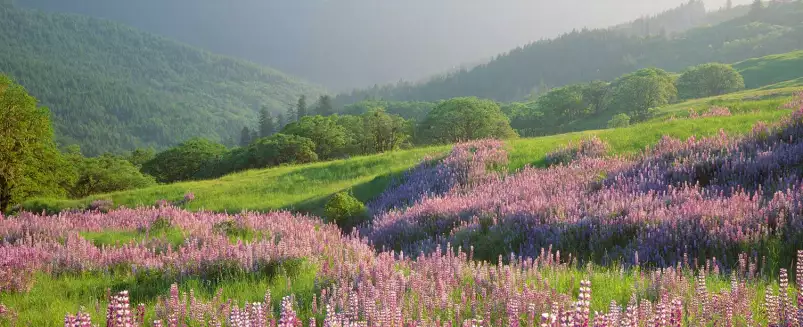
(113, 88)
(605, 54)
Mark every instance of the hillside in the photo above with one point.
(764, 71)
(606, 54)
(306, 187)
(350, 44)
(112, 88)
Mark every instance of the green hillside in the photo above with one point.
(112, 88)
(773, 69)
(589, 55)
(306, 187)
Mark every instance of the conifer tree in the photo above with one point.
(301, 107)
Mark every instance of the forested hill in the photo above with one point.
(606, 54)
(112, 88)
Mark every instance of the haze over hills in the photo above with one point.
(605, 54)
(114, 88)
(346, 44)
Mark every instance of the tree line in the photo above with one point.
(32, 165)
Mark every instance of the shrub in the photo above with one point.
(591, 147)
(344, 208)
(619, 120)
(465, 119)
(709, 80)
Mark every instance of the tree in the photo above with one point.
(329, 137)
(266, 124)
(324, 106)
(301, 107)
(184, 161)
(619, 120)
(280, 149)
(107, 173)
(30, 164)
(637, 92)
(245, 136)
(463, 119)
(574, 101)
(709, 80)
(729, 4)
(384, 132)
(140, 156)
(291, 115)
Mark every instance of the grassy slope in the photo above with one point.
(306, 187)
(760, 72)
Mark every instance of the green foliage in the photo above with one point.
(184, 161)
(344, 208)
(281, 149)
(324, 106)
(265, 152)
(267, 126)
(637, 92)
(113, 88)
(619, 120)
(463, 119)
(140, 156)
(30, 164)
(105, 174)
(411, 110)
(301, 107)
(709, 80)
(375, 131)
(329, 137)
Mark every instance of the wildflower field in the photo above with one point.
(702, 231)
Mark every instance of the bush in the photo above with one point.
(101, 205)
(619, 120)
(185, 161)
(105, 174)
(465, 119)
(344, 209)
(709, 80)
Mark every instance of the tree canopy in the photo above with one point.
(709, 80)
(463, 119)
(30, 164)
(639, 91)
(184, 161)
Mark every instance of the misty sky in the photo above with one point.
(344, 44)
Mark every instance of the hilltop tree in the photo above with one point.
(30, 164)
(756, 7)
(324, 106)
(729, 4)
(463, 119)
(384, 132)
(639, 91)
(266, 124)
(709, 80)
(301, 107)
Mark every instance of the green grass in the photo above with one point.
(299, 188)
(636, 138)
(53, 296)
(173, 236)
(760, 72)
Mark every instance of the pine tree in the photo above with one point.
(729, 4)
(301, 107)
(245, 136)
(291, 115)
(280, 122)
(266, 124)
(324, 106)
